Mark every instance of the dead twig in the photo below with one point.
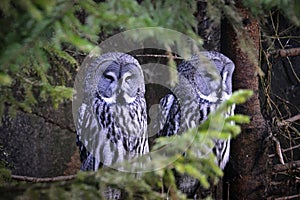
(43, 180)
(278, 150)
(288, 197)
(287, 166)
(284, 150)
(289, 120)
(285, 52)
(160, 56)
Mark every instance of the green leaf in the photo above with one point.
(5, 79)
(5, 176)
(240, 119)
(240, 96)
(233, 129)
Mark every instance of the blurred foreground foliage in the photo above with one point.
(158, 179)
(41, 40)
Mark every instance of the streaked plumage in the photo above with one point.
(112, 120)
(204, 82)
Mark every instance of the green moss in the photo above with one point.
(5, 176)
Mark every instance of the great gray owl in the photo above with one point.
(204, 82)
(112, 119)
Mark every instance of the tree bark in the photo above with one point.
(246, 172)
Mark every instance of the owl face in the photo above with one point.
(121, 80)
(202, 76)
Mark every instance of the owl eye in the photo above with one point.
(109, 77)
(128, 78)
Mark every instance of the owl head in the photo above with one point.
(116, 78)
(209, 74)
(201, 76)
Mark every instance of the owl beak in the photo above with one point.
(120, 97)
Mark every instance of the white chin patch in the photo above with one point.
(111, 99)
(211, 97)
(128, 99)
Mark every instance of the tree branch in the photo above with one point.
(288, 197)
(289, 120)
(284, 150)
(287, 166)
(161, 56)
(285, 52)
(43, 180)
(278, 150)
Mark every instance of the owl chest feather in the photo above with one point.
(123, 127)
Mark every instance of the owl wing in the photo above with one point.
(85, 156)
(169, 116)
(226, 68)
(83, 123)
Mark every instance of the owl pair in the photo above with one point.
(112, 118)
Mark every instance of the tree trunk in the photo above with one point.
(246, 171)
